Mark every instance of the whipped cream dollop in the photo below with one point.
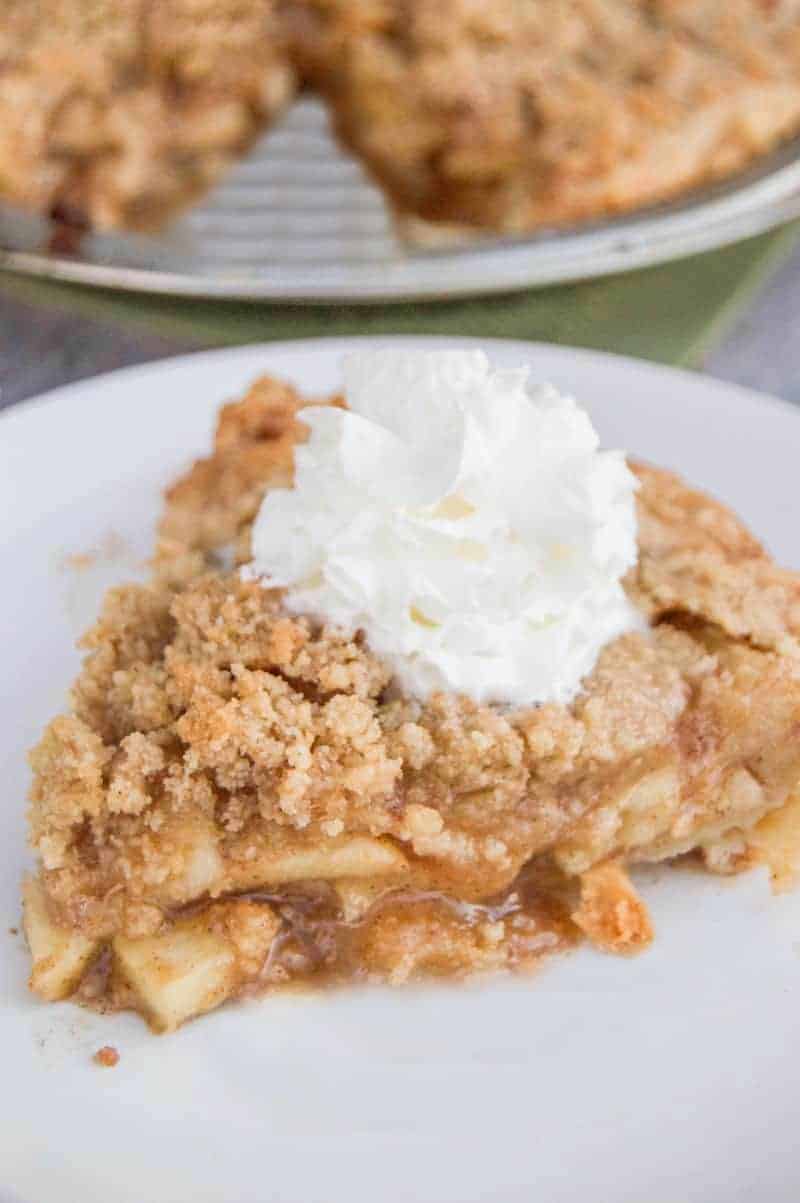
(464, 520)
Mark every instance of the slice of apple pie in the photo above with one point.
(242, 799)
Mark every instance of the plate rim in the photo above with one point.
(70, 392)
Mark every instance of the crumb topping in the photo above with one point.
(509, 115)
(116, 112)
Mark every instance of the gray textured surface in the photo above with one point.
(763, 349)
(41, 348)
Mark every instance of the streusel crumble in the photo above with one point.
(119, 112)
(238, 802)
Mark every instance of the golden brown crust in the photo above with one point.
(775, 841)
(699, 560)
(218, 745)
(611, 913)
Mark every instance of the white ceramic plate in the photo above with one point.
(671, 1078)
(298, 219)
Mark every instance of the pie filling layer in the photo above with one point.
(327, 934)
(239, 801)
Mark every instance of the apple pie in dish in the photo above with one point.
(241, 799)
(480, 114)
